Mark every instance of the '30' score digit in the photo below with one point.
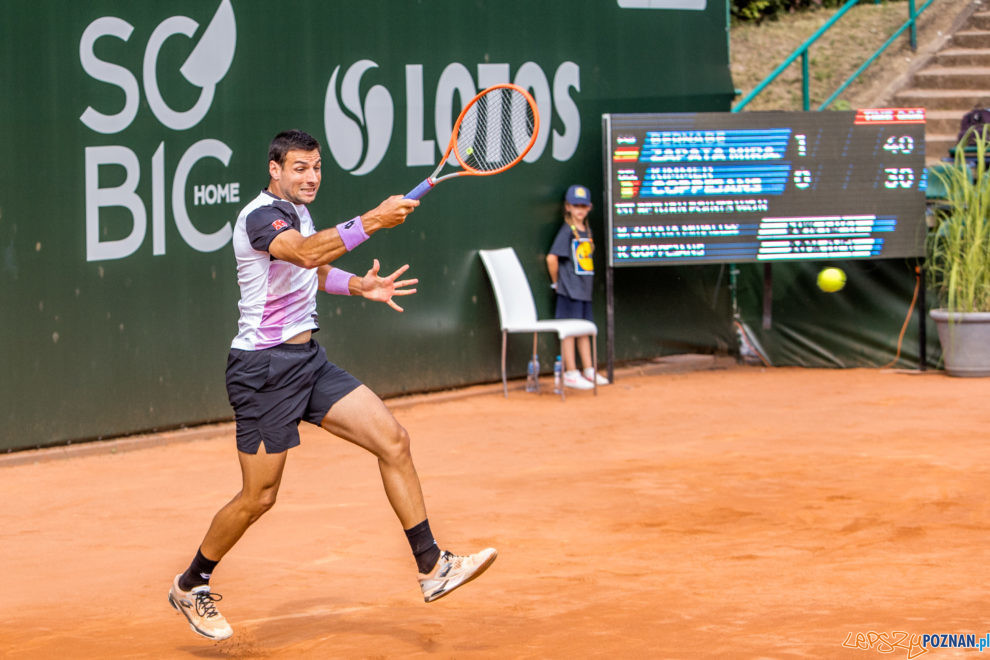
(898, 177)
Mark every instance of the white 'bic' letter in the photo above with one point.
(122, 195)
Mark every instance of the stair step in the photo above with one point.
(979, 21)
(971, 39)
(963, 57)
(956, 77)
(943, 121)
(942, 99)
(937, 146)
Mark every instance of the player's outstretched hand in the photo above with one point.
(391, 212)
(382, 289)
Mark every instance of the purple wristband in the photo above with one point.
(352, 233)
(337, 281)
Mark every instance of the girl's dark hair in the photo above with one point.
(286, 141)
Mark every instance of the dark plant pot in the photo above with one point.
(965, 342)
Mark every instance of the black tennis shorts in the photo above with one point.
(273, 389)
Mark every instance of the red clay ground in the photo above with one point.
(743, 513)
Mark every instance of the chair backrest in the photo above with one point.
(512, 293)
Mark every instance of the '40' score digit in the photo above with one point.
(899, 144)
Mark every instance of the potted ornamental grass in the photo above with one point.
(958, 251)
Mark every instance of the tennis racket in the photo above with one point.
(494, 131)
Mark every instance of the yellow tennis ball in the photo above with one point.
(831, 280)
(470, 150)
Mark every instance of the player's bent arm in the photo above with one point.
(553, 267)
(327, 245)
(307, 252)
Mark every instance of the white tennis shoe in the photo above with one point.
(452, 571)
(575, 380)
(590, 375)
(199, 609)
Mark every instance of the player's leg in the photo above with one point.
(567, 353)
(589, 372)
(572, 377)
(568, 308)
(362, 418)
(261, 475)
(269, 391)
(190, 594)
(584, 350)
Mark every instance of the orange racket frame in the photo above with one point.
(427, 184)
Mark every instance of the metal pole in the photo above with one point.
(609, 271)
(767, 296)
(914, 25)
(806, 101)
(610, 322)
(922, 320)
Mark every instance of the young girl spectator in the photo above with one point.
(572, 274)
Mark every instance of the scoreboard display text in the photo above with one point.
(765, 186)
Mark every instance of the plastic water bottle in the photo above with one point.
(558, 376)
(533, 374)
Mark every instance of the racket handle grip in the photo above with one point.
(419, 191)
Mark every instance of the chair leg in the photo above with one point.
(527, 362)
(505, 385)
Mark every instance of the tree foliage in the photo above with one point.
(757, 11)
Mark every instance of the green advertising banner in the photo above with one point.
(134, 132)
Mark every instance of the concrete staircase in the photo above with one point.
(953, 82)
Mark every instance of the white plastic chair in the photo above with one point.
(517, 311)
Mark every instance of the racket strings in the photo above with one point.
(495, 130)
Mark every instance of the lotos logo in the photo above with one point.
(370, 135)
(359, 133)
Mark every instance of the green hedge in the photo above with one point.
(756, 11)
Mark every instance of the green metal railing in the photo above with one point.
(802, 52)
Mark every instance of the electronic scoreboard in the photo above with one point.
(764, 186)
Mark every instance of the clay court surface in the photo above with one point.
(731, 513)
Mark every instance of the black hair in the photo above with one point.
(286, 141)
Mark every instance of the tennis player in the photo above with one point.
(277, 375)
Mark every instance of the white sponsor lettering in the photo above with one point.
(568, 77)
(359, 146)
(359, 117)
(196, 239)
(123, 195)
(204, 67)
(375, 115)
(109, 73)
(418, 150)
(695, 5)
(216, 193)
(99, 248)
